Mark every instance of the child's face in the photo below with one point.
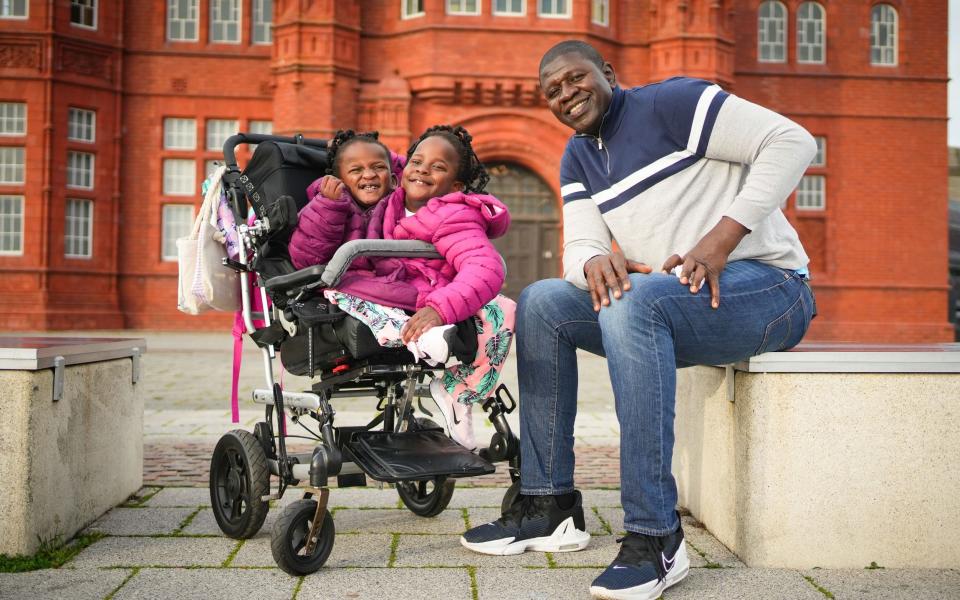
(365, 169)
(431, 172)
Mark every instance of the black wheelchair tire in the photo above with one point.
(239, 478)
(510, 497)
(289, 538)
(423, 502)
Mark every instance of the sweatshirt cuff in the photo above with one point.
(746, 215)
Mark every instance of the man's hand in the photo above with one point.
(610, 271)
(331, 187)
(708, 258)
(419, 323)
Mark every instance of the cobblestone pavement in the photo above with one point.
(164, 541)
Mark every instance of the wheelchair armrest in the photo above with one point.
(329, 275)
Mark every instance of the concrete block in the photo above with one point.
(888, 584)
(208, 584)
(53, 584)
(65, 463)
(832, 470)
(446, 551)
(141, 521)
(535, 584)
(148, 551)
(742, 584)
(699, 539)
(397, 584)
(397, 521)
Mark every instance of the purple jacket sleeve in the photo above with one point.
(320, 230)
(460, 236)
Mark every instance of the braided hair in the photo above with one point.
(470, 170)
(344, 138)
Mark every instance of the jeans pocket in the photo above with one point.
(787, 329)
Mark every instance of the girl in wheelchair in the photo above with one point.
(439, 200)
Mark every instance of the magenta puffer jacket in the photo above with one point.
(459, 225)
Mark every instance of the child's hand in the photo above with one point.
(419, 323)
(331, 187)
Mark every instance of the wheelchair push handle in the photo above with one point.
(229, 146)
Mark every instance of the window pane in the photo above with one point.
(13, 118)
(84, 12)
(810, 28)
(883, 35)
(412, 8)
(177, 222)
(179, 177)
(225, 21)
(218, 130)
(771, 32)
(13, 8)
(820, 160)
(78, 229)
(11, 165)
(811, 194)
(80, 170)
(11, 225)
(179, 134)
(182, 20)
(81, 125)
(600, 12)
(262, 21)
(510, 7)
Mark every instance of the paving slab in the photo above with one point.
(535, 584)
(601, 498)
(349, 550)
(57, 584)
(180, 496)
(379, 520)
(208, 584)
(743, 584)
(147, 551)
(466, 497)
(701, 539)
(364, 497)
(888, 584)
(140, 521)
(446, 551)
(377, 584)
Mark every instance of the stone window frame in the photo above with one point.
(11, 224)
(78, 228)
(81, 125)
(766, 48)
(811, 15)
(181, 21)
(884, 19)
(82, 9)
(11, 114)
(176, 221)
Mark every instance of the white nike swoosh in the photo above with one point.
(618, 567)
(668, 564)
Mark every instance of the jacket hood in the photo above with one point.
(493, 211)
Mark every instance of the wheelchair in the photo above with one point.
(286, 315)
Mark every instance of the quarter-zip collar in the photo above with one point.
(610, 121)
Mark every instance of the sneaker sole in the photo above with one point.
(565, 538)
(652, 590)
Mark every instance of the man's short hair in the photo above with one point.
(584, 49)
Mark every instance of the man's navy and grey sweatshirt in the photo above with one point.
(671, 160)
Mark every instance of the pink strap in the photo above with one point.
(238, 329)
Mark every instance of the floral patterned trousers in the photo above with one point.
(469, 384)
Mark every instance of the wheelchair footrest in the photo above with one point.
(413, 455)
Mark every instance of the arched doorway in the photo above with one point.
(531, 247)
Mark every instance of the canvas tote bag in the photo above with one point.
(204, 282)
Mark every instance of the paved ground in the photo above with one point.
(164, 542)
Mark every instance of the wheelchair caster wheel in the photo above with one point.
(289, 540)
(239, 477)
(511, 496)
(426, 498)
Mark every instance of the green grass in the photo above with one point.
(873, 565)
(817, 586)
(52, 554)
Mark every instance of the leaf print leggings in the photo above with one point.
(467, 383)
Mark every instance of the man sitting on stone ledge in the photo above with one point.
(687, 178)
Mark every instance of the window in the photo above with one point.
(218, 130)
(509, 7)
(262, 21)
(463, 7)
(883, 35)
(179, 134)
(772, 32)
(225, 21)
(11, 165)
(177, 223)
(179, 177)
(820, 160)
(11, 225)
(13, 9)
(810, 28)
(84, 13)
(78, 229)
(554, 8)
(13, 117)
(260, 127)
(600, 12)
(811, 193)
(411, 8)
(80, 166)
(182, 20)
(81, 125)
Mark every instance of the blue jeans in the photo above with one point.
(656, 327)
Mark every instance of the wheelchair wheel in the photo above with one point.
(427, 498)
(289, 539)
(239, 478)
(511, 496)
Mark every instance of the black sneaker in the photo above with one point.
(532, 523)
(645, 566)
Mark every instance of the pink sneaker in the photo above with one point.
(459, 416)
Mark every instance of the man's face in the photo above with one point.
(577, 91)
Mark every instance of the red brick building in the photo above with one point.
(110, 112)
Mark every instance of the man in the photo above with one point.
(689, 181)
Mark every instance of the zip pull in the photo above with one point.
(599, 143)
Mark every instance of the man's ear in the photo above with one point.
(611, 77)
